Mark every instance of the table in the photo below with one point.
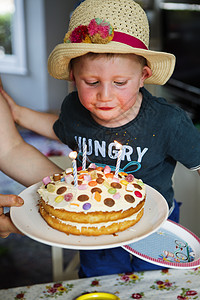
(160, 284)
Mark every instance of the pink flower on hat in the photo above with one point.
(99, 26)
(79, 34)
(98, 31)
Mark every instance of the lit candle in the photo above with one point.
(73, 156)
(119, 146)
(84, 156)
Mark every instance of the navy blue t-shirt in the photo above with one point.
(153, 142)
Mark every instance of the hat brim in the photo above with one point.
(161, 63)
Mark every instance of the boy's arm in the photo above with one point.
(19, 160)
(41, 123)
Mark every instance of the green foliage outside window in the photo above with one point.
(5, 33)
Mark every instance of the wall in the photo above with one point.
(187, 191)
(46, 23)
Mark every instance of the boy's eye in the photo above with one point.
(92, 83)
(120, 82)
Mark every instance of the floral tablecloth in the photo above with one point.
(162, 284)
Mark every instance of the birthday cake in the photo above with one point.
(99, 203)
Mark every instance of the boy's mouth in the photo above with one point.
(105, 108)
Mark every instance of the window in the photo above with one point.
(12, 37)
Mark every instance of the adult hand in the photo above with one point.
(6, 225)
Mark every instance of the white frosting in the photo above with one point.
(74, 205)
(98, 225)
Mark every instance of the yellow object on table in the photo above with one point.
(98, 296)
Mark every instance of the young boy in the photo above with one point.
(109, 62)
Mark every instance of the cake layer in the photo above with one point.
(90, 217)
(91, 229)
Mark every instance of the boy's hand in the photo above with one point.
(6, 225)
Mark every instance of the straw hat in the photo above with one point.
(109, 26)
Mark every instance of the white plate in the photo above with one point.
(28, 220)
(172, 246)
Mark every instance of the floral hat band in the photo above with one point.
(101, 32)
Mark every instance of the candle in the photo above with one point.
(119, 146)
(84, 156)
(73, 156)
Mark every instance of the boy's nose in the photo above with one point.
(105, 93)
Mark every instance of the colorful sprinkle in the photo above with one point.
(51, 188)
(116, 196)
(129, 178)
(92, 166)
(81, 176)
(137, 186)
(109, 175)
(112, 190)
(129, 188)
(123, 174)
(61, 190)
(138, 194)
(46, 180)
(59, 199)
(68, 197)
(99, 169)
(83, 198)
(56, 177)
(129, 198)
(97, 196)
(75, 204)
(124, 182)
(99, 180)
(68, 171)
(116, 185)
(82, 187)
(92, 183)
(109, 202)
(86, 206)
(96, 189)
(106, 184)
(93, 174)
(87, 178)
(115, 179)
(68, 179)
(140, 182)
(107, 170)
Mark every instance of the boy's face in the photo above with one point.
(109, 87)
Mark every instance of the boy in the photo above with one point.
(109, 62)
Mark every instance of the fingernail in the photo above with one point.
(20, 201)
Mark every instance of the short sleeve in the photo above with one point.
(185, 145)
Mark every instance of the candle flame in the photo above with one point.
(73, 155)
(118, 145)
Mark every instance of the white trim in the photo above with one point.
(195, 168)
(16, 63)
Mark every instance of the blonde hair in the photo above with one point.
(142, 60)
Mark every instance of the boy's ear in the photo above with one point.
(71, 75)
(146, 73)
